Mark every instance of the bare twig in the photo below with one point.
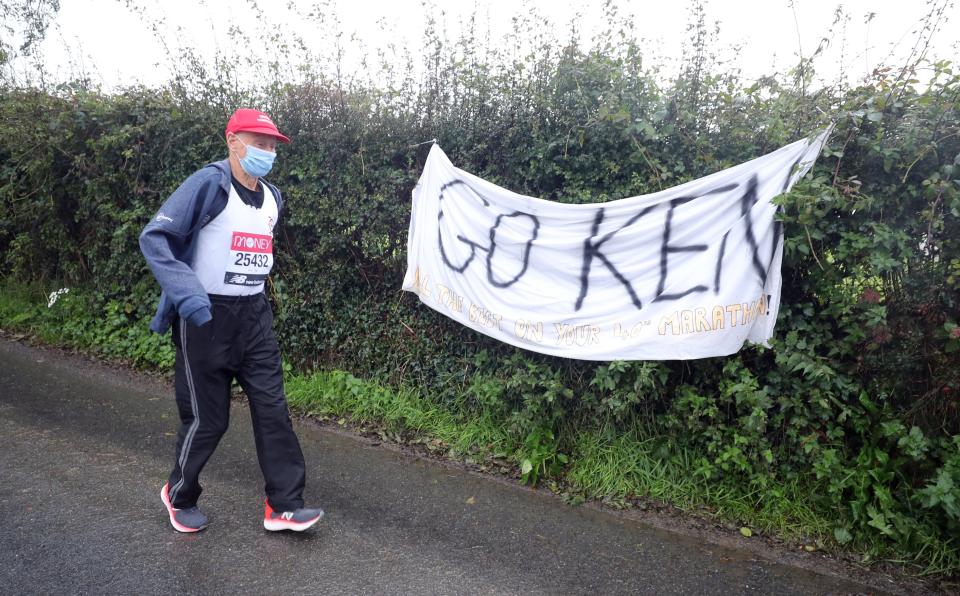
(812, 251)
(836, 171)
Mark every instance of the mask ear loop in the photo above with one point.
(241, 142)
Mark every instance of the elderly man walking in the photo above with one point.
(211, 248)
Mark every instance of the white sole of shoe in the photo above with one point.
(173, 522)
(277, 525)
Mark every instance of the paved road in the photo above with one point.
(84, 451)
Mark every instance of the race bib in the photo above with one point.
(250, 260)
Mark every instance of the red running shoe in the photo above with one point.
(298, 520)
(183, 520)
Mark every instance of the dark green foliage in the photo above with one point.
(857, 400)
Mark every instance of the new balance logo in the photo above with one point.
(287, 515)
(237, 279)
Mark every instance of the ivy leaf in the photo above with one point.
(842, 535)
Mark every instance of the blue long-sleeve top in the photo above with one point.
(169, 243)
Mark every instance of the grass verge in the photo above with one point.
(405, 414)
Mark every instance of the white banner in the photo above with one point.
(688, 272)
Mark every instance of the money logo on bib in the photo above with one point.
(250, 259)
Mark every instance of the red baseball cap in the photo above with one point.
(247, 120)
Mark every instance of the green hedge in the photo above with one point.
(857, 401)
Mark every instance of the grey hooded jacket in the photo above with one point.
(169, 242)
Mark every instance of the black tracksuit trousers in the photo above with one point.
(238, 343)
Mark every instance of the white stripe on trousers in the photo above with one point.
(188, 439)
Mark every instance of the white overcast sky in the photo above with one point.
(106, 40)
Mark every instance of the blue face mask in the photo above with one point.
(257, 162)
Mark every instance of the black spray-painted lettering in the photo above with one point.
(723, 249)
(591, 249)
(528, 245)
(777, 235)
(666, 249)
(790, 172)
(473, 246)
(747, 202)
(592, 245)
(533, 231)
(777, 225)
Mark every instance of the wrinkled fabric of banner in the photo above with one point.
(689, 272)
